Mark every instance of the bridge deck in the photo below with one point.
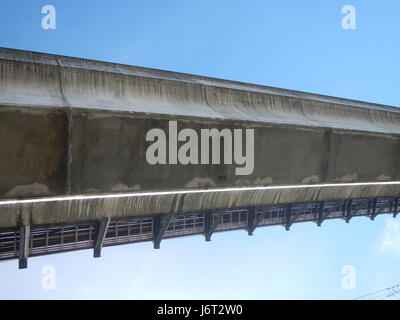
(74, 143)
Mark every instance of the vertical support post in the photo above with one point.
(160, 225)
(288, 217)
(256, 220)
(369, 207)
(250, 221)
(156, 228)
(24, 232)
(320, 214)
(101, 232)
(395, 207)
(373, 213)
(210, 224)
(348, 210)
(344, 206)
(207, 225)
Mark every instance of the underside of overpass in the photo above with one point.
(74, 172)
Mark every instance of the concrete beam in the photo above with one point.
(95, 85)
(101, 232)
(24, 233)
(73, 127)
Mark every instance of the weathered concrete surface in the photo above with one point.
(72, 126)
(72, 211)
(33, 152)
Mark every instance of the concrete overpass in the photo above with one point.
(75, 135)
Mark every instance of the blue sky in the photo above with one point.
(297, 45)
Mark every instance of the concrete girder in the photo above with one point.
(80, 128)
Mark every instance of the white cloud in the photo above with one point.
(389, 242)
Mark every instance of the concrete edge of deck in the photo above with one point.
(122, 205)
(31, 79)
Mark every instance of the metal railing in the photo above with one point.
(63, 238)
